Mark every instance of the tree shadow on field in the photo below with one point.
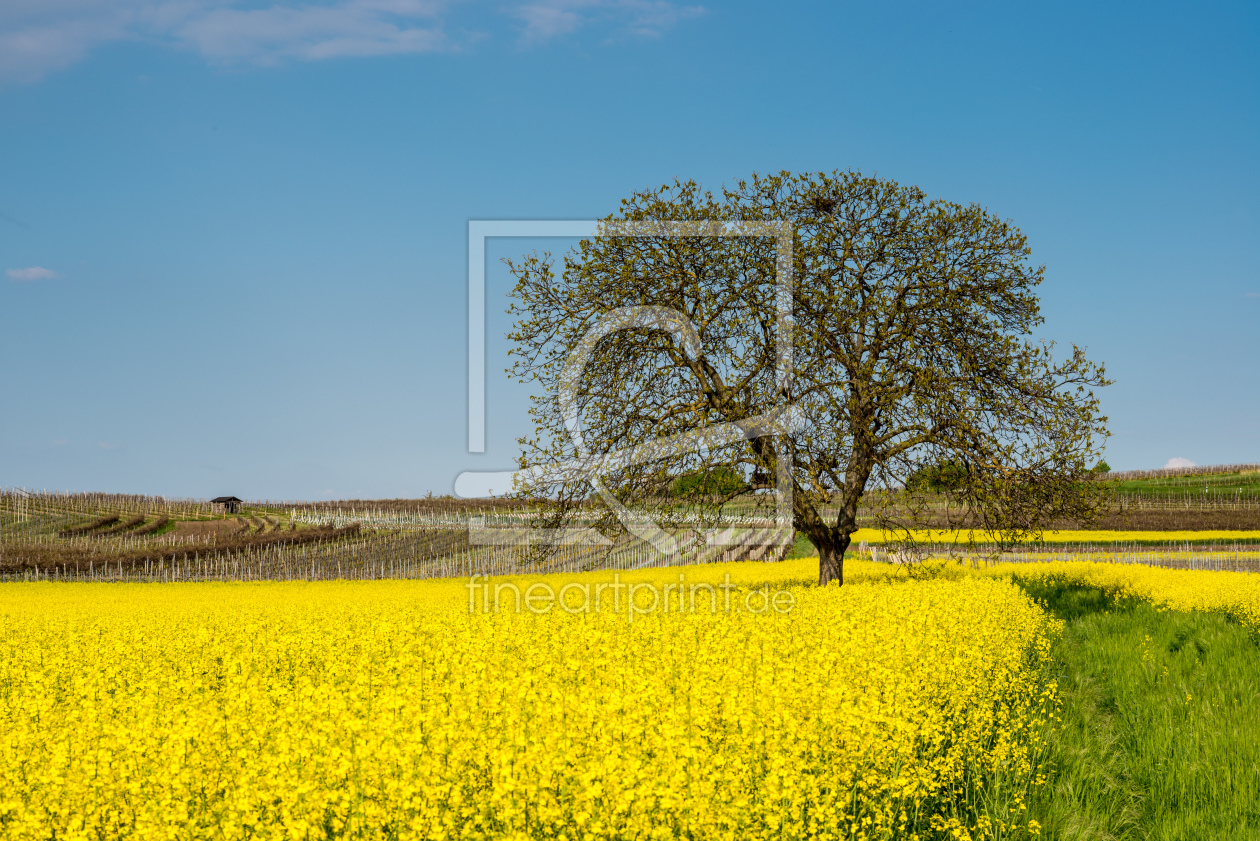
(1070, 601)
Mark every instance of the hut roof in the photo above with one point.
(226, 499)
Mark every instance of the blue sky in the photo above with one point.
(233, 234)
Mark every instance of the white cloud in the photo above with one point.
(544, 21)
(652, 19)
(354, 28)
(1251, 294)
(1179, 462)
(647, 18)
(32, 273)
(38, 37)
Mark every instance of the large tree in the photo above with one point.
(911, 327)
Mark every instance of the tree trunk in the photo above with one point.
(831, 562)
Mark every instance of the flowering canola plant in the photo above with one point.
(392, 710)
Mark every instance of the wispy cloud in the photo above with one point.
(354, 28)
(38, 37)
(1251, 294)
(550, 19)
(1179, 462)
(544, 21)
(32, 273)
(41, 36)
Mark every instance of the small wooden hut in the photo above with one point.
(225, 505)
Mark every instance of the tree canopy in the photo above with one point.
(718, 481)
(911, 333)
(938, 478)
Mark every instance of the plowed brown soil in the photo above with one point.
(206, 528)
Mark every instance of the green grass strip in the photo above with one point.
(1161, 722)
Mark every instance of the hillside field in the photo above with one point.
(1169, 519)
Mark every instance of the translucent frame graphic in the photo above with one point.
(779, 421)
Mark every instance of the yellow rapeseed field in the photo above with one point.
(392, 710)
